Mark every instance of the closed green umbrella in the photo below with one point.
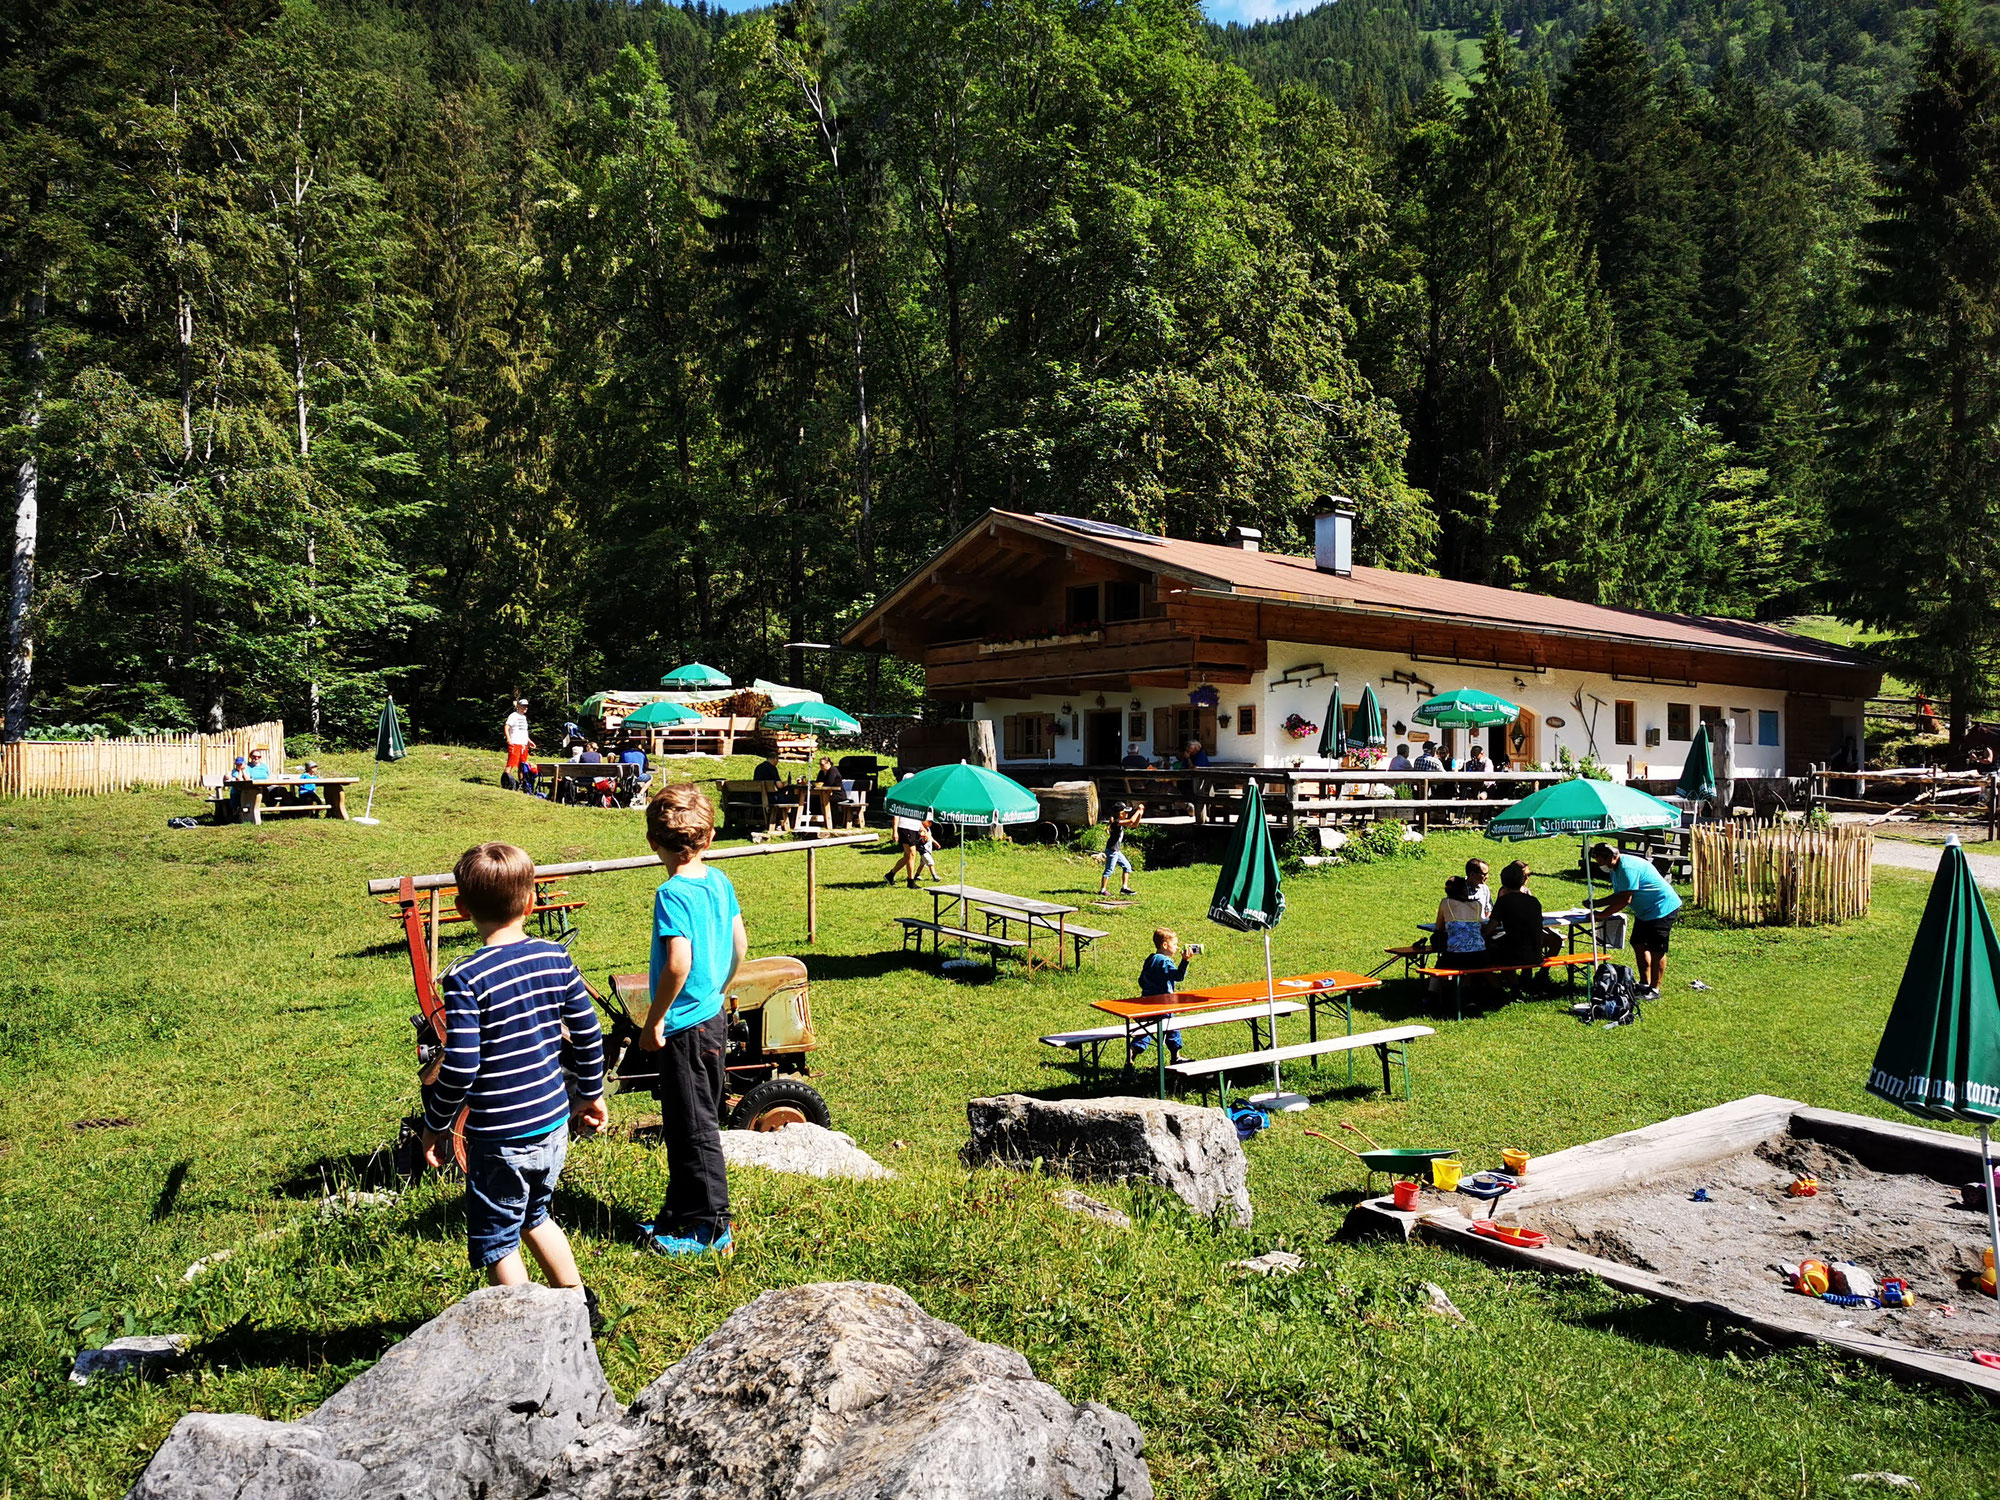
(695, 675)
(1584, 807)
(1940, 1051)
(661, 712)
(966, 796)
(1249, 897)
(811, 718)
(388, 747)
(1333, 734)
(1697, 783)
(1370, 728)
(1467, 708)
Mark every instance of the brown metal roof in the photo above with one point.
(1272, 576)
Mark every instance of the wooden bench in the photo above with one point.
(1083, 937)
(1096, 1036)
(1389, 1044)
(995, 944)
(1409, 953)
(1565, 961)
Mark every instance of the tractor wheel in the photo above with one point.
(778, 1102)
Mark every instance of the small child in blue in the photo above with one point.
(1160, 976)
(520, 1040)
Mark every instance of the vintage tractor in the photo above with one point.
(770, 1037)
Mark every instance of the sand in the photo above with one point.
(1894, 1224)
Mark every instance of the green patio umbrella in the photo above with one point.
(966, 796)
(388, 746)
(1697, 783)
(1940, 1051)
(1333, 734)
(1466, 708)
(1370, 727)
(695, 675)
(1249, 897)
(811, 718)
(662, 712)
(1583, 807)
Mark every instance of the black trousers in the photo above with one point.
(690, 1091)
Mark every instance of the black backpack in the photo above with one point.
(1614, 997)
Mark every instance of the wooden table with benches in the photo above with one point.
(253, 799)
(1000, 907)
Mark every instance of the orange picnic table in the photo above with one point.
(1334, 985)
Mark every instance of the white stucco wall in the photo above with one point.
(1552, 695)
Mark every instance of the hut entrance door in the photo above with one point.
(1103, 738)
(1524, 745)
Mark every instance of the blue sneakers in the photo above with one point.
(703, 1241)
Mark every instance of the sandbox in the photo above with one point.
(1621, 1209)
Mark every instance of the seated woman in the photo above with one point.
(1515, 934)
(1460, 936)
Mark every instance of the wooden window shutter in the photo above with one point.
(1206, 734)
(1163, 732)
(1010, 734)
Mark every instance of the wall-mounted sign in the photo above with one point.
(1555, 723)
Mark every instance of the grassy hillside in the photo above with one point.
(233, 995)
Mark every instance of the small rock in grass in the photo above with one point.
(207, 1263)
(353, 1201)
(1271, 1263)
(802, 1148)
(140, 1355)
(1884, 1477)
(1440, 1303)
(1090, 1208)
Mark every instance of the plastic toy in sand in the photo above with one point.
(1812, 1277)
(1510, 1234)
(1803, 1187)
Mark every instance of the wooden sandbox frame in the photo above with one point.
(1637, 1158)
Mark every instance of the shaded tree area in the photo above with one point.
(539, 345)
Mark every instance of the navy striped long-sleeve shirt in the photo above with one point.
(517, 1019)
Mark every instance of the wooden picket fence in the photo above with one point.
(1782, 875)
(81, 768)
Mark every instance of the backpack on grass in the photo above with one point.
(1614, 997)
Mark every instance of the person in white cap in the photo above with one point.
(518, 741)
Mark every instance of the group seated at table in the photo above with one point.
(1476, 931)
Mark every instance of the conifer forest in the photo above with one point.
(464, 347)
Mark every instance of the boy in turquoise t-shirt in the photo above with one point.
(698, 942)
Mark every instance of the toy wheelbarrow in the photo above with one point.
(1397, 1161)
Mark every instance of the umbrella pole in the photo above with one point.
(371, 790)
(1992, 1209)
(1271, 1002)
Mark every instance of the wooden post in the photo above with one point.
(812, 895)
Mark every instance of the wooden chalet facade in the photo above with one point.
(1085, 642)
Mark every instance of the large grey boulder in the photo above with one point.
(217, 1456)
(850, 1391)
(477, 1403)
(1191, 1152)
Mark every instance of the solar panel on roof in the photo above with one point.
(1103, 529)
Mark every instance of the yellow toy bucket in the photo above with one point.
(1444, 1175)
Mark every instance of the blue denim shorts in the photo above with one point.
(508, 1185)
(1117, 859)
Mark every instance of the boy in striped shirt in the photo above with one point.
(520, 1035)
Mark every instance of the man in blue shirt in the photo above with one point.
(1635, 883)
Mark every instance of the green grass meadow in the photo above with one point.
(235, 995)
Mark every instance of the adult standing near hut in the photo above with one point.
(1635, 883)
(519, 742)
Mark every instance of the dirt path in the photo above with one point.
(1908, 856)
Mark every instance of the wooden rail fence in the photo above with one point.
(1782, 875)
(81, 768)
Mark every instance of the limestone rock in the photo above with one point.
(477, 1403)
(211, 1456)
(802, 1147)
(1437, 1300)
(850, 1391)
(140, 1355)
(1085, 1206)
(1191, 1152)
(1271, 1263)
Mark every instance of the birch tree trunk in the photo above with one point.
(27, 532)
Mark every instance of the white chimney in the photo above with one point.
(1333, 540)
(1245, 538)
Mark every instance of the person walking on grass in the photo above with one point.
(911, 836)
(520, 1039)
(1635, 883)
(1161, 975)
(1124, 817)
(519, 741)
(698, 944)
